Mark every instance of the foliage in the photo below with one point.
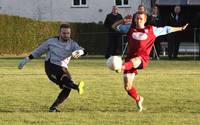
(21, 35)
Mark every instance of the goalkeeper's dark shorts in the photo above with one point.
(55, 73)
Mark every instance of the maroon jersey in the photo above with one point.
(140, 42)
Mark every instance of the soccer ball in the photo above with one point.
(114, 62)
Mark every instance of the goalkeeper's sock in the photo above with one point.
(61, 97)
(127, 65)
(133, 93)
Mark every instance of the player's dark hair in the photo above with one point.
(141, 5)
(64, 25)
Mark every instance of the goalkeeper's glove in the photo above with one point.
(23, 62)
(76, 54)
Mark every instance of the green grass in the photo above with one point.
(171, 90)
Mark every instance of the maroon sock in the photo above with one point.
(127, 65)
(133, 93)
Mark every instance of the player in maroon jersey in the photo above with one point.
(140, 41)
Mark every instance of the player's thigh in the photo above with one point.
(136, 62)
(55, 72)
(66, 73)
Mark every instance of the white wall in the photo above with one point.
(62, 10)
(27, 8)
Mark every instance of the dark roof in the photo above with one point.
(178, 2)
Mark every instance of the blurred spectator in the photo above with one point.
(176, 19)
(141, 8)
(114, 37)
(196, 24)
(155, 20)
(198, 31)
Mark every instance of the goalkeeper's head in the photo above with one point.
(65, 32)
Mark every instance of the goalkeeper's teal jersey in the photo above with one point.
(58, 52)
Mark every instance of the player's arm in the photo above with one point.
(158, 31)
(24, 61)
(36, 53)
(175, 29)
(78, 51)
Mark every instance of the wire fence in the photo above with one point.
(96, 43)
(188, 48)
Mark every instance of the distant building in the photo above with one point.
(69, 10)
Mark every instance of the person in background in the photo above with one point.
(176, 19)
(196, 23)
(141, 8)
(155, 20)
(198, 31)
(114, 37)
(59, 51)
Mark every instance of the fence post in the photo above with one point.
(194, 43)
(124, 43)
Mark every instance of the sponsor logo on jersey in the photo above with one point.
(139, 35)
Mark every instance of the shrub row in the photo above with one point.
(21, 35)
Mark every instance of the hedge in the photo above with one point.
(21, 35)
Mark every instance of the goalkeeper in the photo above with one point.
(59, 51)
(140, 41)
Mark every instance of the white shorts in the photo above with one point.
(130, 75)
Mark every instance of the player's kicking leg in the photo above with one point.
(130, 64)
(81, 87)
(62, 78)
(66, 82)
(61, 97)
(65, 93)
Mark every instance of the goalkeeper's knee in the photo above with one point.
(68, 83)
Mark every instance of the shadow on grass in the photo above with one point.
(181, 58)
(83, 57)
(63, 111)
(96, 110)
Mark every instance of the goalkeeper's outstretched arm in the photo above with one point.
(24, 61)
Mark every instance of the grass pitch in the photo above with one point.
(171, 90)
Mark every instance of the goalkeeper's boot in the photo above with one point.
(81, 87)
(53, 110)
(139, 104)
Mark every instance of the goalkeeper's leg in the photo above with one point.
(66, 82)
(61, 97)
